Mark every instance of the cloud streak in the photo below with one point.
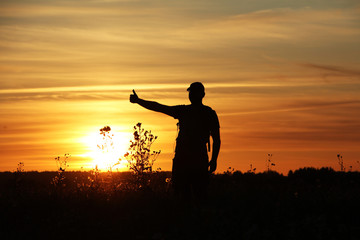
(335, 69)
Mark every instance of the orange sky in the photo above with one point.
(284, 78)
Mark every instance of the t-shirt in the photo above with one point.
(195, 126)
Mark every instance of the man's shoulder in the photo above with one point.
(177, 111)
(202, 109)
(213, 118)
(191, 109)
(210, 110)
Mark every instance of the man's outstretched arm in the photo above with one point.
(154, 106)
(215, 134)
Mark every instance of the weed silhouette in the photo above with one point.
(140, 158)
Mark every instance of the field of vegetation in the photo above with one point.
(307, 204)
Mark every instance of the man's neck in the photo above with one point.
(197, 104)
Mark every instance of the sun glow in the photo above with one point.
(107, 151)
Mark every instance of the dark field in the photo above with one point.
(307, 204)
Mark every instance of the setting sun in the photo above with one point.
(106, 152)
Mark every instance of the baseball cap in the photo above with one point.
(196, 87)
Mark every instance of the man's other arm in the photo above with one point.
(215, 134)
(153, 106)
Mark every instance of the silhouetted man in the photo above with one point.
(197, 122)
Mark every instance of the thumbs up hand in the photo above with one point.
(134, 97)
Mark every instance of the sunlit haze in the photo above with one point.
(283, 77)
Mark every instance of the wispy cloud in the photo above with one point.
(296, 107)
(121, 92)
(335, 69)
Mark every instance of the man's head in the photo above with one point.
(196, 92)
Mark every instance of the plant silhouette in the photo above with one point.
(140, 158)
